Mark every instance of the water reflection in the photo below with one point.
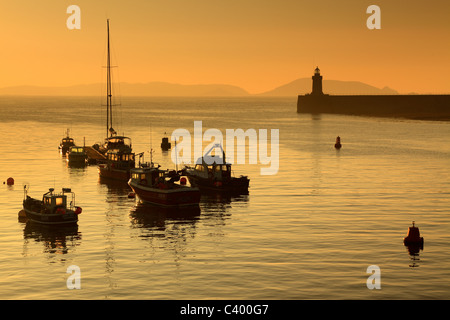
(55, 239)
(156, 218)
(413, 251)
(167, 228)
(115, 187)
(220, 202)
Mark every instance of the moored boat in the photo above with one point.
(53, 209)
(162, 187)
(66, 143)
(213, 173)
(77, 156)
(120, 159)
(165, 144)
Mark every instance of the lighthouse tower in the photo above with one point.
(317, 83)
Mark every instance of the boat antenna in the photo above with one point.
(176, 155)
(151, 146)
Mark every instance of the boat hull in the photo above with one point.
(107, 172)
(177, 197)
(77, 160)
(235, 185)
(67, 218)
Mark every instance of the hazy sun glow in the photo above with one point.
(257, 45)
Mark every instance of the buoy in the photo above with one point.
(78, 210)
(413, 237)
(338, 145)
(10, 181)
(183, 181)
(22, 216)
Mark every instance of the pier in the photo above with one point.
(93, 155)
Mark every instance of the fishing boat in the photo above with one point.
(162, 187)
(53, 209)
(77, 156)
(119, 157)
(66, 143)
(213, 173)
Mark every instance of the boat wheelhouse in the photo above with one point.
(77, 156)
(53, 208)
(120, 159)
(213, 173)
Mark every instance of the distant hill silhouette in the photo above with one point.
(164, 89)
(130, 89)
(303, 86)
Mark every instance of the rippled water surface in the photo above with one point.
(308, 232)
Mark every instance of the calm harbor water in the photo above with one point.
(308, 232)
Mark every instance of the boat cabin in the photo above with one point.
(77, 150)
(54, 201)
(217, 169)
(213, 166)
(120, 159)
(147, 176)
(118, 142)
(67, 141)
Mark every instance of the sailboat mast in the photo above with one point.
(108, 87)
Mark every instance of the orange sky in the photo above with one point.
(254, 44)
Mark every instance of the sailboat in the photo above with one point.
(117, 149)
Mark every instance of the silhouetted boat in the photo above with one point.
(120, 159)
(165, 144)
(338, 144)
(413, 237)
(66, 143)
(52, 209)
(162, 187)
(117, 149)
(77, 156)
(213, 173)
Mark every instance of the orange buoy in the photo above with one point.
(413, 237)
(10, 181)
(183, 181)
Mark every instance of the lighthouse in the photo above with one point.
(317, 83)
